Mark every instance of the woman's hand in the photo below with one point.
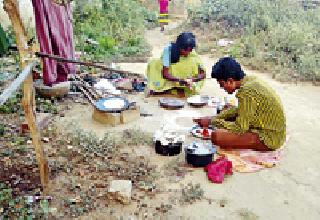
(183, 82)
(189, 81)
(201, 75)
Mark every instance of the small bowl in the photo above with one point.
(58, 90)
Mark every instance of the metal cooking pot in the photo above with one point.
(171, 149)
(201, 159)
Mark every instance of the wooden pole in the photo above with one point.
(11, 7)
(27, 102)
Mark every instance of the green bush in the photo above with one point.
(280, 32)
(12, 105)
(118, 27)
(18, 207)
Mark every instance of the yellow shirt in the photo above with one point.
(260, 111)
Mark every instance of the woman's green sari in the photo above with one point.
(187, 67)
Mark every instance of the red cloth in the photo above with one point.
(163, 6)
(55, 35)
(218, 169)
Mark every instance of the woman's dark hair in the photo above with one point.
(184, 41)
(226, 68)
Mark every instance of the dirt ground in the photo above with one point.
(288, 191)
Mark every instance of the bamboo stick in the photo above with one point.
(104, 67)
(91, 89)
(14, 86)
(87, 95)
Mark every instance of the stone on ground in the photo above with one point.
(120, 190)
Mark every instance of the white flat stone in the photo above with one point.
(120, 190)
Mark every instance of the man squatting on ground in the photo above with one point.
(258, 122)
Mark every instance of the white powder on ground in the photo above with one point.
(114, 103)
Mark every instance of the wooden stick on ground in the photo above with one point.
(90, 89)
(88, 96)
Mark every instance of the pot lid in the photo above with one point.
(166, 137)
(201, 148)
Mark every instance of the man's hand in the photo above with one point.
(204, 122)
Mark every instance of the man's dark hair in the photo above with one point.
(226, 68)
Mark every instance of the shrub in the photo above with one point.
(118, 27)
(279, 31)
(18, 207)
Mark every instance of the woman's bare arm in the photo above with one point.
(168, 76)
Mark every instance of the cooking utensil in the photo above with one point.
(199, 132)
(168, 142)
(58, 90)
(100, 104)
(198, 101)
(171, 149)
(199, 155)
(171, 103)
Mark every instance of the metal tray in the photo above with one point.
(101, 107)
(171, 103)
(199, 103)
